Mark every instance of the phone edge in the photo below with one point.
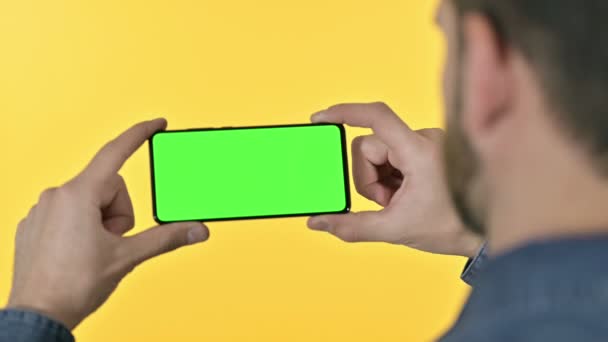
(345, 167)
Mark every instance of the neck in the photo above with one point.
(553, 194)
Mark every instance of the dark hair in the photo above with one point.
(564, 41)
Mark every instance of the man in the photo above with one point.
(525, 154)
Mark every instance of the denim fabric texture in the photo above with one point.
(28, 326)
(474, 266)
(546, 291)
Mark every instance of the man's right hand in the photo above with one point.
(402, 170)
(71, 252)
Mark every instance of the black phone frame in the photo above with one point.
(344, 167)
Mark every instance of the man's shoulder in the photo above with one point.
(547, 291)
(556, 327)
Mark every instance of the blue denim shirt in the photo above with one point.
(474, 266)
(27, 326)
(547, 291)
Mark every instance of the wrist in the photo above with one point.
(45, 309)
(471, 243)
(466, 243)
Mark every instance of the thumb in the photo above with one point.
(353, 227)
(166, 238)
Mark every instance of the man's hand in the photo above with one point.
(402, 170)
(70, 251)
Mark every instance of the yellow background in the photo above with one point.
(75, 73)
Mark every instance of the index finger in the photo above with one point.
(114, 154)
(378, 116)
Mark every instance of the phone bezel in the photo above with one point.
(344, 167)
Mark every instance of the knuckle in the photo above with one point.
(170, 242)
(376, 221)
(337, 106)
(435, 134)
(32, 210)
(367, 146)
(108, 148)
(346, 234)
(47, 195)
(357, 143)
(386, 116)
(336, 111)
(75, 185)
(380, 104)
(382, 107)
(21, 227)
(64, 193)
(437, 131)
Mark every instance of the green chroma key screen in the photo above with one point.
(249, 172)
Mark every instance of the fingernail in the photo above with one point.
(318, 224)
(197, 234)
(318, 117)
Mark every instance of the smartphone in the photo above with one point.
(233, 173)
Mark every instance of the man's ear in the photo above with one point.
(486, 78)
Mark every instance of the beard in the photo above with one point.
(462, 168)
